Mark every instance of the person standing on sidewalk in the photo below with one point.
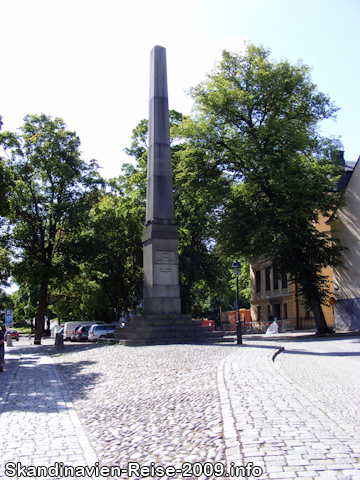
(2, 348)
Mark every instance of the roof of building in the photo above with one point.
(344, 180)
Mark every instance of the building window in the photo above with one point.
(275, 278)
(258, 281)
(259, 314)
(267, 278)
(285, 311)
(269, 310)
(284, 280)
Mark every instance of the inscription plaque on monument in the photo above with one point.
(165, 257)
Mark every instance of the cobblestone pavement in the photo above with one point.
(328, 371)
(280, 423)
(149, 404)
(213, 405)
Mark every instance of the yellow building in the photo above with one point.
(275, 295)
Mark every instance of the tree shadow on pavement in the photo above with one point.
(269, 347)
(70, 347)
(30, 385)
(321, 354)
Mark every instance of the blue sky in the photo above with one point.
(87, 61)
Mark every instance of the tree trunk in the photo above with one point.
(40, 314)
(321, 326)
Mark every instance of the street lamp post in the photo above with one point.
(236, 268)
(134, 298)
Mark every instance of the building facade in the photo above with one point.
(276, 295)
(345, 227)
(272, 294)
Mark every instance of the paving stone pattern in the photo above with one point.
(329, 371)
(149, 404)
(39, 425)
(186, 403)
(281, 426)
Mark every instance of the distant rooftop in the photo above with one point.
(349, 167)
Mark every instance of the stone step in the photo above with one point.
(192, 329)
(166, 329)
(168, 341)
(153, 320)
(173, 335)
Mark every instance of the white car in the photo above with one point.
(101, 331)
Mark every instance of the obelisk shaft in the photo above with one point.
(159, 194)
(161, 295)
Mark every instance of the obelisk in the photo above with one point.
(161, 293)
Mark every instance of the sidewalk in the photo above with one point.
(39, 425)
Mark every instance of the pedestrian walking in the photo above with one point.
(2, 348)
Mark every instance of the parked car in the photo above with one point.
(82, 333)
(101, 331)
(13, 334)
(73, 335)
(69, 327)
(55, 329)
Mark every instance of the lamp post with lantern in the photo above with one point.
(236, 268)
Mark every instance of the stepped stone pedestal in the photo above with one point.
(165, 330)
(162, 321)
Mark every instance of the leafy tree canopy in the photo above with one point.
(258, 121)
(50, 190)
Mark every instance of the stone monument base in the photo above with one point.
(165, 330)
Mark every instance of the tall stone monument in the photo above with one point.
(162, 321)
(161, 294)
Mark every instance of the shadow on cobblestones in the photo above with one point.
(73, 347)
(322, 354)
(77, 381)
(156, 403)
(258, 345)
(31, 385)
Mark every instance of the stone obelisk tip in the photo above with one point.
(158, 73)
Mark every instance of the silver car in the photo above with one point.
(101, 331)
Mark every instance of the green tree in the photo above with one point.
(111, 268)
(116, 266)
(50, 192)
(258, 120)
(5, 262)
(199, 189)
(24, 301)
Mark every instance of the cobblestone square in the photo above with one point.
(208, 411)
